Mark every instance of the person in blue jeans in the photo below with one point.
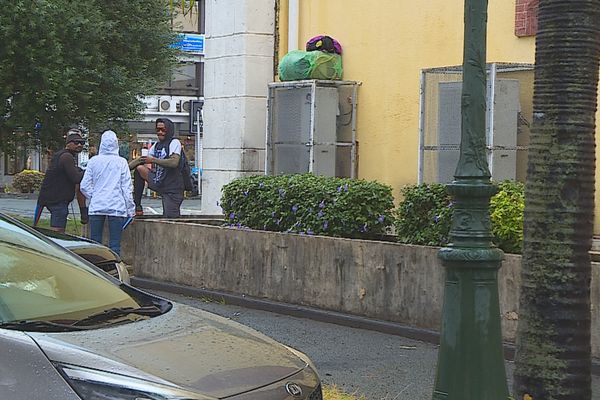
(60, 184)
(107, 184)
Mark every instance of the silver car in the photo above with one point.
(70, 331)
(96, 253)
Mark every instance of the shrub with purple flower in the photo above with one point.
(301, 202)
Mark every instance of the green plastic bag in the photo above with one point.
(295, 66)
(299, 65)
(326, 66)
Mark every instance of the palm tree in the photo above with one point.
(553, 340)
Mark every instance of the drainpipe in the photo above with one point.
(293, 16)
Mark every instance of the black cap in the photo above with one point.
(74, 135)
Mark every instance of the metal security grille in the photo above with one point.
(508, 115)
(311, 127)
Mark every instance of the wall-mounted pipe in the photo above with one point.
(293, 17)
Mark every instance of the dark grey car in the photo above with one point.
(69, 331)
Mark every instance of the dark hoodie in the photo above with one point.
(169, 180)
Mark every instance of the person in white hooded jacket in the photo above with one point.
(107, 184)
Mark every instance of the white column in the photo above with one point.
(238, 67)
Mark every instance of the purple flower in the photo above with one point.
(261, 185)
(281, 193)
(273, 214)
(320, 214)
(436, 219)
(339, 189)
(322, 204)
(325, 225)
(232, 216)
(294, 208)
(246, 193)
(346, 187)
(363, 228)
(381, 218)
(450, 205)
(309, 232)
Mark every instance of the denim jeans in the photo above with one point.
(115, 229)
(58, 214)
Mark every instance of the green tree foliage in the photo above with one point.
(65, 62)
(309, 204)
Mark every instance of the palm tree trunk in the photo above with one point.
(553, 340)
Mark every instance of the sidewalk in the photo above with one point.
(24, 205)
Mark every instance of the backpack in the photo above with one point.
(324, 43)
(186, 173)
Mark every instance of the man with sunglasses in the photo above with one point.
(60, 184)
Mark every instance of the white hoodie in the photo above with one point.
(107, 181)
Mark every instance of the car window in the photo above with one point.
(39, 280)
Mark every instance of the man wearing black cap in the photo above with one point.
(60, 184)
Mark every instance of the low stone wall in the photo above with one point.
(388, 281)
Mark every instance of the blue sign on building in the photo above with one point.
(190, 43)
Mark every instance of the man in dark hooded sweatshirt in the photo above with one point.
(165, 177)
(61, 183)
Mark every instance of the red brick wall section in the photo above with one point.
(526, 17)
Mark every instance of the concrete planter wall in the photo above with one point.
(388, 281)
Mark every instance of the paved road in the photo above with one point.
(380, 366)
(26, 207)
(376, 365)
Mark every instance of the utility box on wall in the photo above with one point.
(311, 127)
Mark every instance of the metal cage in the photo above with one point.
(311, 127)
(508, 115)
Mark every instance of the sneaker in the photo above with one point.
(139, 211)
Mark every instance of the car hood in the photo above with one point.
(187, 347)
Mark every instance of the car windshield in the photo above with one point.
(42, 281)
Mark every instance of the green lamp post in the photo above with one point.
(470, 359)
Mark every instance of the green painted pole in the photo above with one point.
(470, 358)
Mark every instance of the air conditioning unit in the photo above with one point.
(175, 104)
(167, 104)
(185, 106)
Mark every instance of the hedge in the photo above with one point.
(424, 215)
(28, 181)
(309, 204)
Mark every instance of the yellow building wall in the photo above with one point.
(386, 44)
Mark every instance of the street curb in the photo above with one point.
(333, 317)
